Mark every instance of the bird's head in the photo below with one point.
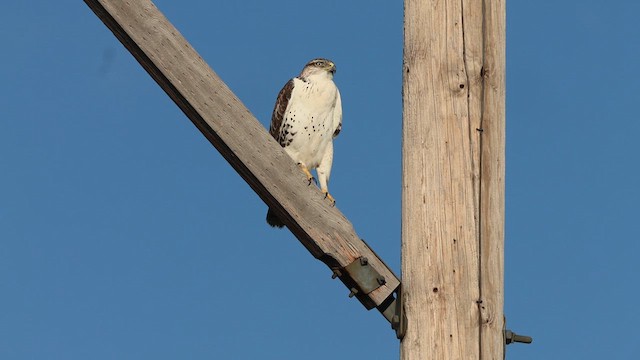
(319, 67)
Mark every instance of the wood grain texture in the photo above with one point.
(492, 192)
(239, 137)
(453, 179)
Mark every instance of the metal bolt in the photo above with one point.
(364, 261)
(336, 273)
(511, 337)
(353, 292)
(381, 280)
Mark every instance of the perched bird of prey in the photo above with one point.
(306, 118)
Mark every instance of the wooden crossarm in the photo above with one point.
(241, 139)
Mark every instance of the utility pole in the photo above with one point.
(453, 179)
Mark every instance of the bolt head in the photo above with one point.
(353, 292)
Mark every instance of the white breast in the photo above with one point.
(310, 117)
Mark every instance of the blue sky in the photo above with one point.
(125, 235)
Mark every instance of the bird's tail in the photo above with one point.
(273, 220)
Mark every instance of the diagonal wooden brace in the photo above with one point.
(240, 138)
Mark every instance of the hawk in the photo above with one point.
(306, 117)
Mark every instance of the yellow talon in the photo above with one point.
(328, 196)
(307, 173)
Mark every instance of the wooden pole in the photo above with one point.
(453, 179)
(222, 118)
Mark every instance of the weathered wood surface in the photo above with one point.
(239, 137)
(453, 179)
(492, 184)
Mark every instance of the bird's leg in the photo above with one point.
(306, 171)
(324, 171)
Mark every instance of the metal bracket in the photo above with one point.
(393, 310)
(361, 279)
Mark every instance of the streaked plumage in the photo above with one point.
(306, 117)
